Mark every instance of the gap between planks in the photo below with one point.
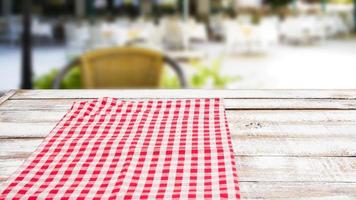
(7, 96)
(188, 93)
(242, 129)
(298, 117)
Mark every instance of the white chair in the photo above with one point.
(42, 29)
(173, 36)
(141, 31)
(110, 34)
(217, 25)
(196, 31)
(340, 25)
(77, 37)
(100, 36)
(257, 41)
(244, 19)
(349, 21)
(244, 38)
(297, 30)
(234, 37)
(330, 25)
(122, 21)
(269, 30)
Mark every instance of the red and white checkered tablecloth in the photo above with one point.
(112, 149)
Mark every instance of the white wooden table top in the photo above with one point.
(289, 144)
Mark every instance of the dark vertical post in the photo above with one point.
(26, 46)
(90, 8)
(110, 6)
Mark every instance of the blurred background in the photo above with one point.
(229, 44)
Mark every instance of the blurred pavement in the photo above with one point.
(331, 65)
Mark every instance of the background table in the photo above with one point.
(288, 143)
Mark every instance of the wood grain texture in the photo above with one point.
(244, 146)
(189, 93)
(296, 190)
(283, 133)
(41, 129)
(6, 96)
(289, 144)
(266, 168)
(279, 124)
(230, 104)
(297, 117)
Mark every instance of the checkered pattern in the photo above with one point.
(113, 149)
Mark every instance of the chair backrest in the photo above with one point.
(122, 68)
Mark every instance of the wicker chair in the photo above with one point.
(126, 67)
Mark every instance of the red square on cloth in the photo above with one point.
(113, 149)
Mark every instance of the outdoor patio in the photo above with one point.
(217, 44)
(328, 65)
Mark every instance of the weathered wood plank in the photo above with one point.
(256, 168)
(295, 190)
(294, 130)
(18, 148)
(309, 125)
(6, 96)
(13, 129)
(230, 104)
(190, 93)
(234, 116)
(293, 116)
(326, 169)
(255, 132)
(31, 116)
(34, 105)
(8, 167)
(243, 145)
(20, 130)
(265, 146)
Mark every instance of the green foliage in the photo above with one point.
(71, 81)
(170, 81)
(46, 81)
(278, 3)
(210, 75)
